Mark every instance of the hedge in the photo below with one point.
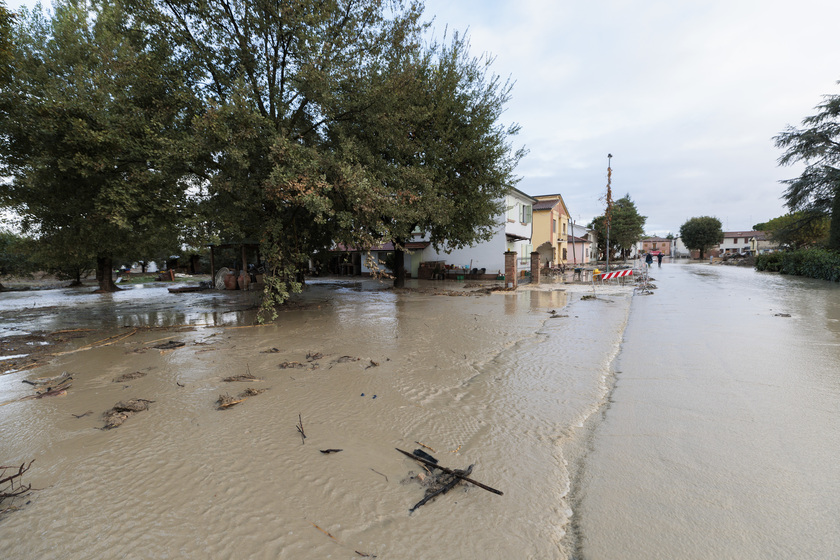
(813, 263)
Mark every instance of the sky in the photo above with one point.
(686, 95)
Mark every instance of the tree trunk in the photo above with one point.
(834, 227)
(399, 267)
(104, 274)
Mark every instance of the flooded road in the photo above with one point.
(722, 436)
(692, 423)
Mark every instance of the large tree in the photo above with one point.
(278, 77)
(817, 145)
(98, 109)
(432, 145)
(699, 234)
(626, 227)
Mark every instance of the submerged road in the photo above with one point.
(722, 435)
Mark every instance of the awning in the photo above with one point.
(515, 237)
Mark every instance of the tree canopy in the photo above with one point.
(700, 234)
(627, 227)
(816, 144)
(98, 112)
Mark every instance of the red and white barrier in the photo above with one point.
(617, 274)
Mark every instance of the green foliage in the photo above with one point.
(817, 145)
(96, 133)
(14, 257)
(813, 263)
(699, 234)
(432, 147)
(626, 227)
(798, 229)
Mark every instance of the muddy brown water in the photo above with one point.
(488, 380)
(697, 422)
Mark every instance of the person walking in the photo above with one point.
(659, 259)
(649, 260)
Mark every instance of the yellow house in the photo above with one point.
(551, 229)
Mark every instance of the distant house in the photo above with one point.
(653, 244)
(735, 242)
(550, 235)
(760, 244)
(591, 239)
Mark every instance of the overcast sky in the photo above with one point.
(686, 94)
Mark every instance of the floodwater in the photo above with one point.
(692, 423)
(721, 438)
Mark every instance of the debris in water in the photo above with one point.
(171, 345)
(88, 413)
(328, 451)
(312, 356)
(226, 401)
(270, 351)
(290, 365)
(124, 410)
(241, 377)
(437, 483)
(782, 315)
(129, 376)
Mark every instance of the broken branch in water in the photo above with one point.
(11, 486)
(450, 471)
(328, 451)
(456, 477)
(300, 429)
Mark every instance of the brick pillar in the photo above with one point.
(535, 268)
(510, 269)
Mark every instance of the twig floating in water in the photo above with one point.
(300, 429)
(328, 451)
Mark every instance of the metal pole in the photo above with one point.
(609, 209)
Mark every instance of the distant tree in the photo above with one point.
(700, 234)
(626, 227)
(95, 134)
(798, 230)
(817, 145)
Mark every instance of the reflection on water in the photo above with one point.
(142, 305)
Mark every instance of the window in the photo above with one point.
(525, 213)
(736, 241)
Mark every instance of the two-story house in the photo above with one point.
(551, 230)
(513, 234)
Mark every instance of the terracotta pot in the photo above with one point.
(244, 281)
(230, 281)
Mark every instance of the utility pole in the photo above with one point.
(608, 215)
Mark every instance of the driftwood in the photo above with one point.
(449, 471)
(226, 401)
(49, 380)
(445, 483)
(241, 377)
(328, 451)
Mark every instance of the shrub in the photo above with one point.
(813, 263)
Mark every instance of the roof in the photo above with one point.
(545, 204)
(740, 233)
(528, 196)
(573, 239)
(547, 197)
(656, 239)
